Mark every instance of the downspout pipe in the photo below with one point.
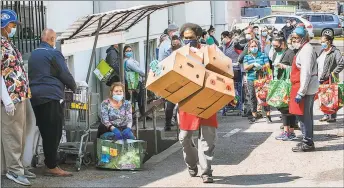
(212, 12)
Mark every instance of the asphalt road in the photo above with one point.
(245, 155)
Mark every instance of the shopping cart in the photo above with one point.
(81, 112)
(236, 106)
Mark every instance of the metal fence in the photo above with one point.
(33, 18)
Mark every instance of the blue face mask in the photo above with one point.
(128, 54)
(264, 34)
(324, 45)
(192, 43)
(117, 97)
(254, 50)
(12, 33)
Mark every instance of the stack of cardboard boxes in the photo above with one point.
(199, 80)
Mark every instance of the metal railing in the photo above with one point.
(33, 18)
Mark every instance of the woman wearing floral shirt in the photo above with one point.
(116, 115)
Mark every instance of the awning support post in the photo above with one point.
(93, 51)
(146, 72)
(121, 63)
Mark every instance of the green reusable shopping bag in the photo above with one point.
(132, 78)
(340, 91)
(279, 91)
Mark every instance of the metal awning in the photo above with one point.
(112, 25)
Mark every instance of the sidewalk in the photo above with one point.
(245, 155)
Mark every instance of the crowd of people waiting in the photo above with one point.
(254, 51)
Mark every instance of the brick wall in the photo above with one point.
(324, 6)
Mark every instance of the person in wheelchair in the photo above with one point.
(116, 116)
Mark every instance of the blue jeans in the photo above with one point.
(117, 134)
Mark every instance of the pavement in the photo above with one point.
(245, 155)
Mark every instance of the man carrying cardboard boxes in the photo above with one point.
(199, 79)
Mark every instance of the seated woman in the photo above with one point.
(116, 116)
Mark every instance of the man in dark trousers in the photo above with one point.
(49, 74)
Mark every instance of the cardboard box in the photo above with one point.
(182, 74)
(120, 155)
(103, 71)
(217, 92)
(216, 61)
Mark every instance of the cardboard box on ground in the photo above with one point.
(184, 79)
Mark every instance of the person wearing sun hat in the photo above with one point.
(15, 92)
(304, 80)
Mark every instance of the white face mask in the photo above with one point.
(296, 45)
(248, 37)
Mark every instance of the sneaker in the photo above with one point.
(282, 136)
(18, 179)
(331, 120)
(268, 119)
(207, 179)
(193, 171)
(303, 147)
(281, 127)
(290, 137)
(325, 118)
(29, 174)
(252, 120)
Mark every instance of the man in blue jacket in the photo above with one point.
(48, 74)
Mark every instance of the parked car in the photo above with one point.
(342, 21)
(325, 23)
(278, 22)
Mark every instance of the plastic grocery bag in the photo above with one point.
(121, 154)
(279, 91)
(328, 96)
(262, 87)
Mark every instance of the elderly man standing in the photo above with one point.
(49, 75)
(166, 45)
(15, 90)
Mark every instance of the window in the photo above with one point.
(152, 51)
(328, 18)
(270, 20)
(281, 20)
(316, 18)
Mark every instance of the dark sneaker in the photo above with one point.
(18, 179)
(303, 147)
(331, 120)
(292, 136)
(325, 118)
(252, 120)
(193, 171)
(29, 174)
(207, 179)
(268, 119)
(282, 136)
(167, 128)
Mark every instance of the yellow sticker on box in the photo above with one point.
(113, 152)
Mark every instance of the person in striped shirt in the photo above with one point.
(255, 63)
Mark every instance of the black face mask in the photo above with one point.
(192, 43)
(278, 49)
